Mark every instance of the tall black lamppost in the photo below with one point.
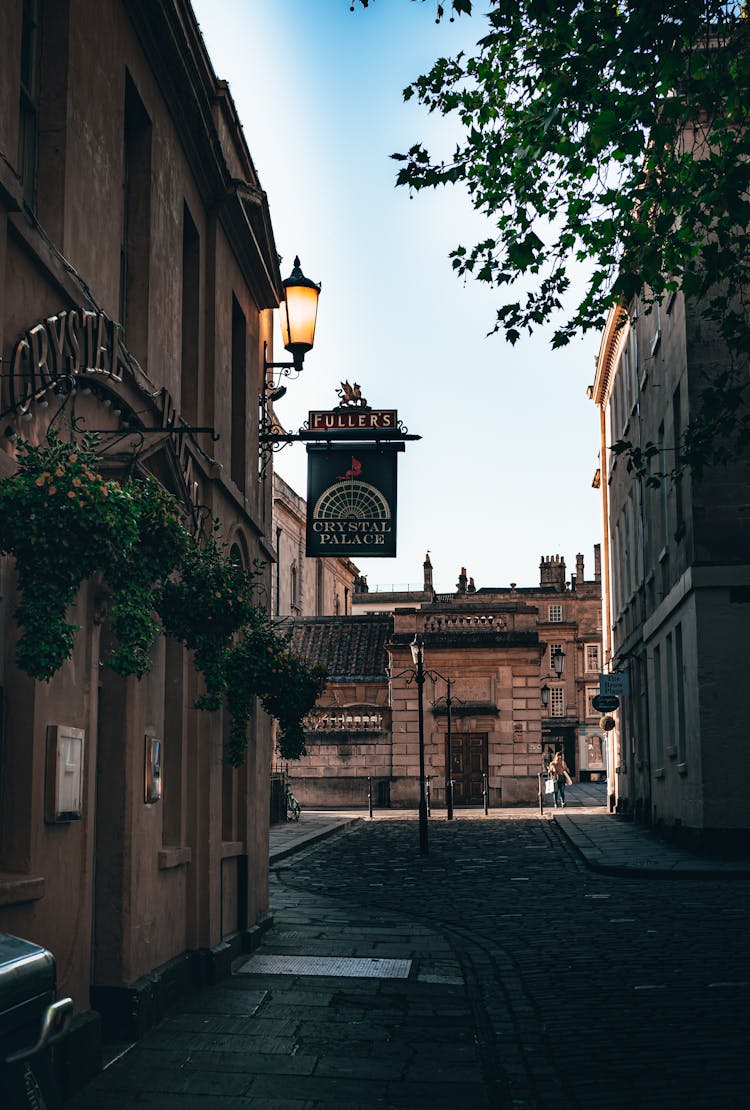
(449, 750)
(417, 654)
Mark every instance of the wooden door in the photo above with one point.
(469, 763)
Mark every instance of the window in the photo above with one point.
(680, 686)
(591, 693)
(555, 614)
(239, 395)
(656, 313)
(627, 382)
(627, 532)
(669, 661)
(677, 427)
(28, 128)
(663, 488)
(658, 720)
(634, 349)
(593, 658)
(293, 585)
(190, 317)
(136, 225)
(557, 701)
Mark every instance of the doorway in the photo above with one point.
(469, 763)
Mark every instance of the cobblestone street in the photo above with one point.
(534, 983)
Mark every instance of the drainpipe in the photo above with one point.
(278, 572)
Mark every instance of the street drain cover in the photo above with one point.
(349, 968)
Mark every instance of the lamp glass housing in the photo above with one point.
(416, 649)
(545, 695)
(298, 312)
(558, 661)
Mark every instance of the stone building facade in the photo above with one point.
(138, 272)
(496, 646)
(303, 586)
(677, 581)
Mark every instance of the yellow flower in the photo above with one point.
(73, 458)
(40, 480)
(71, 493)
(59, 472)
(76, 481)
(52, 489)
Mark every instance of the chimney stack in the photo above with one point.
(552, 572)
(579, 569)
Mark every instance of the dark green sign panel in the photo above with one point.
(351, 501)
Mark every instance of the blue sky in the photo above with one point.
(509, 444)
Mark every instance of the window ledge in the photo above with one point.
(173, 857)
(672, 752)
(16, 889)
(682, 769)
(230, 848)
(659, 773)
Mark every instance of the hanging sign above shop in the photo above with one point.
(365, 420)
(351, 501)
(616, 684)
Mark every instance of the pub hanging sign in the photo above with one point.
(351, 501)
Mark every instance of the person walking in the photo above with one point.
(559, 772)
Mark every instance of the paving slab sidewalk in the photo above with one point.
(614, 846)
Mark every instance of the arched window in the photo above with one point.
(293, 585)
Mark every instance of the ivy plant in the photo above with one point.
(63, 523)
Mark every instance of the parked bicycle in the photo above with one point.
(293, 808)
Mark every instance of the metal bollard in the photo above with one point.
(540, 777)
(485, 794)
(427, 791)
(369, 795)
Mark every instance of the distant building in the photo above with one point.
(305, 586)
(677, 581)
(496, 646)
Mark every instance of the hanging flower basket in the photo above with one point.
(607, 723)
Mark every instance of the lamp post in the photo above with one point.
(449, 750)
(449, 755)
(417, 654)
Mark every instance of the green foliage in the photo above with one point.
(160, 547)
(262, 665)
(63, 523)
(615, 135)
(211, 600)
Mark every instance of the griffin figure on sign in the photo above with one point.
(350, 395)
